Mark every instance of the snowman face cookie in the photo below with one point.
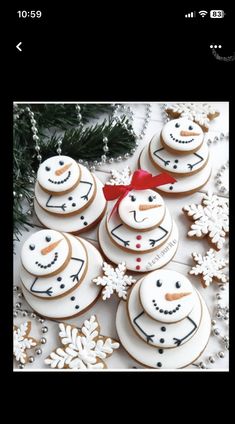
(45, 253)
(182, 135)
(167, 296)
(142, 209)
(58, 174)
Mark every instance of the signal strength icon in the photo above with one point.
(190, 15)
(203, 13)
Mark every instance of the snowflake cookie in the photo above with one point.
(209, 267)
(211, 219)
(114, 280)
(82, 348)
(22, 341)
(201, 113)
(120, 177)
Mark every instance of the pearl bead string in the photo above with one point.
(220, 182)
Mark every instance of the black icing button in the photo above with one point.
(159, 364)
(72, 298)
(62, 286)
(77, 307)
(59, 278)
(70, 198)
(85, 223)
(82, 217)
(176, 161)
(163, 328)
(160, 351)
(162, 341)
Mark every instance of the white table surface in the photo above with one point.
(106, 311)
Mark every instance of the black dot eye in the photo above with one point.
(61, 162)
(158, 283)
(177, 285)
(47, 168)
(133, 198)
(32, 246)
(151, 198)
(48, 238)
(190, 127)
(177, 125)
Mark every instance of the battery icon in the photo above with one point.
(217, 14)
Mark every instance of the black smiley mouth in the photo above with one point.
(62, 181)
(136, 220)
(48, 265)
(165, 311)
(181, 141)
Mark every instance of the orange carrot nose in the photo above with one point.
(146, 207)
(63, 169)
(175, 296)
(49, 248)
(188, 133)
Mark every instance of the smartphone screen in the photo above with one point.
(121, 121)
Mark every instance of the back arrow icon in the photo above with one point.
(18, 46)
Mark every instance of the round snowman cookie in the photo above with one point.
(160, 358)
(58, 175)
(181, 165)
(77, 301)
(77, 223)
(140, 262)
(142, 210)
(182, 136)
(136, 241)
(46, 252)
(167, 296)
(71, 203)
(63, 282)
(155, 332)
(183, 185)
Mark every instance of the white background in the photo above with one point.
(182, 262)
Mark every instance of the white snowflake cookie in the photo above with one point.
(201, 113)
(114, 280)
(209, 268)
(82, 349)
(211, 219)
(120, 177)
(22, 341)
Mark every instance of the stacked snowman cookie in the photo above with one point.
(180, 150)
(165, 322)
(57, 272)
(68, 197)
(140, 230)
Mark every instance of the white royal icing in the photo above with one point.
(142, 209)
(150, 356)
(76, 301)
(75, 223)
(114, 280)
(72, 202)
(183, 185)
(181, 164)
(209, 267)
(160, 294)
(197, 112)
(182, 134)
(156, 333)
(61, 283)
(135, 240)
(45, 252)
(141, 262)
(58, 174)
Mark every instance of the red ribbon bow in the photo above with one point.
(141, 180)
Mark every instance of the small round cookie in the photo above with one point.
(58, 174)
(46, 252)
(71, 203)
(77, 301)
(184, 185)
(63, 282)
(150, 356)
(140, 262)
(181, 165)
(135, 241)
(79, 223)
(167, 296)
(155, 332)
(142, 210)
(182, 136)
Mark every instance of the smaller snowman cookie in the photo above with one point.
(182, 136)
(58, 175)
(46, 252)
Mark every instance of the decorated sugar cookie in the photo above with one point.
(58, 174)
(182, 136)
(45, 253)
(209, 267)
(114, 281)
(22, 342)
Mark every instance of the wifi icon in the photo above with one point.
(203, 13)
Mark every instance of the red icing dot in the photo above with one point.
(137, 267)
(138, 245)
(138, 260)
(138, 237)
